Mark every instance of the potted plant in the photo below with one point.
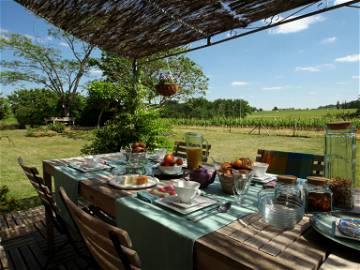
(167, 85)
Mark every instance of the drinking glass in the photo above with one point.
(241, 184)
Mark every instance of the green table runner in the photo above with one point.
(69, 179)
(165, 239)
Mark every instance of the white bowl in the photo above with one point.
(259, 169)
(171, 170)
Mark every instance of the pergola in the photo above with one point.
(140, 28)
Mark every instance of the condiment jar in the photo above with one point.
(318, 194)
(287, 189)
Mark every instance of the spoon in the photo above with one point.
(222, 208)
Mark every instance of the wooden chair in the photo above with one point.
(110, 246)
(180, 150)
(48, 202)
(298, 164)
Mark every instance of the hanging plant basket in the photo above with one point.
(167, 85)
(167, 89)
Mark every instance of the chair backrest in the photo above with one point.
(38, 183)
(180, 150)
(299, 164)
(110, 246)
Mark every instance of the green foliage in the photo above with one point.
(105, 96)
(57, 127)
(4, 107)
(144, 125)
(185, 72)
(204, 109)
(32, 106)
(7, 204)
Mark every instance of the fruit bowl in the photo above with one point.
(171, 170)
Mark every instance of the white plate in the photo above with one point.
(123, 183)
(88, 167)
(265, 179)
(172, 202)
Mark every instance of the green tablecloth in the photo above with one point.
(165, 239)
(69, 179)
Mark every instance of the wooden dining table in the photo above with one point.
(246, 243)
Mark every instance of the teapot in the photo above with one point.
(202, 176)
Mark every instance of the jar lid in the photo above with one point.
(339, 125)
(317, 180)
(288, 179)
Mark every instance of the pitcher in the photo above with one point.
(194, 143)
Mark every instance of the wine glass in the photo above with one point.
(241, 184)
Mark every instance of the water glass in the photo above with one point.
(241, 184)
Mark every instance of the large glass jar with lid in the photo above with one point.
(340, 146)
(287, 189)
(318, 194)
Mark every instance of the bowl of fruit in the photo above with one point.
(171, 165)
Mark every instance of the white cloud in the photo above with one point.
(328, 40)
(296, 26)
(338, 2)
(317, 68)
(95, 72)
(64, 44)
(3, 30)
(312, 93)
(308, 69)
(348, 58)
(239, 83)
(356, 77)
(272, 88)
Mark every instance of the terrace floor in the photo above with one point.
(23, 244)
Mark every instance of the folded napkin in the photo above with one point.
(347, 228)
(146, 196)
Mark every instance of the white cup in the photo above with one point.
(187, 191)
(259, 169)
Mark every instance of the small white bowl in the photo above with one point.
(171, 170)
(259, 169)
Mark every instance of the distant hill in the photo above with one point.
(355, 104)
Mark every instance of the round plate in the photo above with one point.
(119, 182)
(322, 223)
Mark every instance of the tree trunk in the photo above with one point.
(99, 118)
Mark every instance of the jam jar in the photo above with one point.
(287, 189)
(318, 194)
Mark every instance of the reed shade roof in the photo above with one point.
(139, 28)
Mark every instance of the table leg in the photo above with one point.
(48, 212)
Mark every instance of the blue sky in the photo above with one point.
(305, 64)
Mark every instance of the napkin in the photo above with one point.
(347, 228)
(146, 196)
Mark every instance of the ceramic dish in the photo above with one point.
(174, 203)
(130, 182)
(323, 224)
(88, 166)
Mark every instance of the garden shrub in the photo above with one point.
(144, 125)
(4, 108)
(32, 106)
(57, 127)
(7, 203)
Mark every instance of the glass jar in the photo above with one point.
(318, 194)
(286, 188)
(340, 146)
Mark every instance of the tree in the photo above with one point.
(43, 65)
(4, 107)
(186, 72)
(104, 96)
(30, 107)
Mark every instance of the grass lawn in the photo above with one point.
(225, 146)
